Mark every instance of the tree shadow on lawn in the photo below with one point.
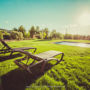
(19, 79)
(4, 58)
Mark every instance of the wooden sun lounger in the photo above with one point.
(41, 58)
(7, 48)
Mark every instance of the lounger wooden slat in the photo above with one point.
(48, 54)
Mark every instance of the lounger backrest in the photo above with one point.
(4, 44)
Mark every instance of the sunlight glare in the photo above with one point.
(84, 19)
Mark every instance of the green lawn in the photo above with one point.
(71, 74)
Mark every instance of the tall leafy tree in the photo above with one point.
(69, 36)
(56, 35)
(53, 34)
(37, 30)
(15, 29)
(22, 29)
(32, 31)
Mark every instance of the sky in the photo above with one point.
(71, 16)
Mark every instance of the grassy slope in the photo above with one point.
(72, 73)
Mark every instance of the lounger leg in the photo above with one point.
(11, 53)
(61, 57)
(28, 69)
(35, 50)
(43, 66)
(27, 59)
(32, 62)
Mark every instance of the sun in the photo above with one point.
(84, 19)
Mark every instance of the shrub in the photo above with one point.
(1, 35)
(16, 35)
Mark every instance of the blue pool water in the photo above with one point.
(74, 44)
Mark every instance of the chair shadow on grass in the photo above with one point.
(19, 79)
(4, 58)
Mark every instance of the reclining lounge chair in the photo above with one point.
(7, 49)
(42, 58)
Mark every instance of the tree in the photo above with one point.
(32, 31)
(53, 34)
(45, 33)
(20, 36)
(88, 37)
(56, 35)
(22, 29)
(76, 36)
(27, 35)
(59, 35)
(15, 29)
(37, 30)
(68, 36)
(41, 34)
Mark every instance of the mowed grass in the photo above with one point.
(71, 74)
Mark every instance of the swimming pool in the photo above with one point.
(74, 44)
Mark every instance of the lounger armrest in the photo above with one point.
(25, 48)
(22, 51)
(33, 48)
